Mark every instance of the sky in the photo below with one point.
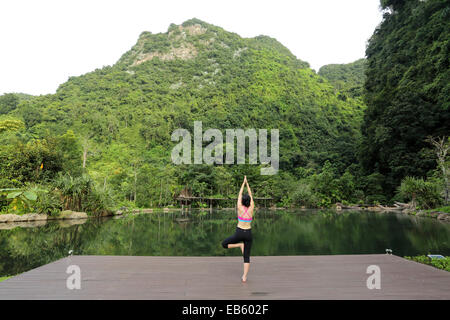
(44, 42)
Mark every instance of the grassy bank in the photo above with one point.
(4, 278)
(443, 264)
(445, 209)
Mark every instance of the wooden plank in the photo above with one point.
(270, 277)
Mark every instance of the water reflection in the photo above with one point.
(199, 233)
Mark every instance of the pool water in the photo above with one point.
(200, 233)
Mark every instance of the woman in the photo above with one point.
(242, 238)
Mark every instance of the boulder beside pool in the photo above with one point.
(68, 214)
(22, 218)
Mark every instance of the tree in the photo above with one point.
(10, 125)
(441, 147)
(406, 90)
(70, 150)
(8, 102)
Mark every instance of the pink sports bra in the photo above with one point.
(244, 218)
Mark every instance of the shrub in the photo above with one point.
(375, 199)
(303, 195)
(48, 203)
(424, 194)
(98, 202)
(443, 264)
(21, 200)
(79, 194)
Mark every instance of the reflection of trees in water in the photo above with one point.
(274, 232)
(25, 248)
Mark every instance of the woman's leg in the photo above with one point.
(246, 268)
(247, 248)
(233, 242)
(237, 245)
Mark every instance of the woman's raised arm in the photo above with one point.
(239, 201)
(252, 204)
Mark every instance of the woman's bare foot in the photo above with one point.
(244, 279)
(242, 247)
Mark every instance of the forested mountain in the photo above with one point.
(348, 78)
(10, 101)
(104, 138)
(407, 89)
(121, 117)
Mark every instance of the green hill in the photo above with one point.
(347, 78)
(121, 117)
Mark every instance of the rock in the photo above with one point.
(34, 217)
(442, 216)
(434, 214)
(68, 214)
(106, 214)
(8, 217)
(22, 218)
(147, 210)
(407, 211)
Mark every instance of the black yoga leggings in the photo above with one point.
(240, 235)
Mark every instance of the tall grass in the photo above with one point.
(80, 194)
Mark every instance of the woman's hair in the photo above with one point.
(246, 200)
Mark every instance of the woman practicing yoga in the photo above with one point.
(242, 238)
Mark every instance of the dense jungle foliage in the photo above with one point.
(347, 78)
(105, 137)
(407, 89)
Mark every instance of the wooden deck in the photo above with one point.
(272, 277)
